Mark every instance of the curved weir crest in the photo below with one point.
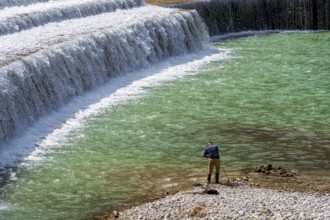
(11, 3)
(43, 68)
(15, 19)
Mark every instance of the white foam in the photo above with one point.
(21, 44)
(4, 206)
(41, 6)
(16, 19)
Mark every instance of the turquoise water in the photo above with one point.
(269, 103)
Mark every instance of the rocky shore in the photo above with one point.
(268, 192)
(233, 202)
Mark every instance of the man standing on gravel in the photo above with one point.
(212, 153)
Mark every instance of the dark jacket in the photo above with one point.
(212, 151)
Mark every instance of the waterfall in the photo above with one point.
(226, 16)
(43, 68)
(11, 3)
(16, 19)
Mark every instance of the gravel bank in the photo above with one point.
(238, 202)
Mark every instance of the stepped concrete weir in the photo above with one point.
(46, 65)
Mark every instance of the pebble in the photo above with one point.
(241, 202)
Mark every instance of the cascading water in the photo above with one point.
(226, 16)
(44, 67)
(15, 19)
(10, 3)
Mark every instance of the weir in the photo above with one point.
(43, 68)
(15, 19)
(84, 159)
(11, 3)
(227, 16)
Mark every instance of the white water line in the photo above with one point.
(16, 19)
(13, 3)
